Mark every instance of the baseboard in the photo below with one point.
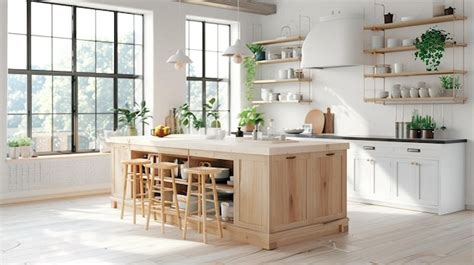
(54, 196)
(470, 207)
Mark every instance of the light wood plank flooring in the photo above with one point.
(87, 231)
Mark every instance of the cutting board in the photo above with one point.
(316, 118)
(329, 121)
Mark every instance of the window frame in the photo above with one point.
(75, 75)
(204, 79)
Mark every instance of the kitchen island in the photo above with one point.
(283, 191)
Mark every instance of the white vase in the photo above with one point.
(25, 151)
(13, 152)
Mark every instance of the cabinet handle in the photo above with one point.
(330, 154)
(369, 147)
(290, 157)
(413, 150)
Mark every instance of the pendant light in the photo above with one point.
(237, 51)
(179, 59)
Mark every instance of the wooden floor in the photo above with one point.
(88, 231)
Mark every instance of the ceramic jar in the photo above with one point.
(377, 42)
(424, 92)
(396, 91)
(414, 93)
(434, 92)
(405, 92)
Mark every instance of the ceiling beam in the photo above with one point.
(248, 6)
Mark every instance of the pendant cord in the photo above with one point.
(238, 19)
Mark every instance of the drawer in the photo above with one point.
(417, 151)
(371, 147)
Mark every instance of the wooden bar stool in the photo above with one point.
(202, 173)
(156, 184)
(133, 173)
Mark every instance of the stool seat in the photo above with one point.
(136, 161)
(204, 170)
(163, 165)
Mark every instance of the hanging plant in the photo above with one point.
(250, 66)
(430, 47)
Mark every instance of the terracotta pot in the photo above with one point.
(248, 128)
(414, 134)
(427, 134)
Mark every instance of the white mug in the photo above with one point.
(225, 211)
(397, 68)
(377, 42)
(282, 73)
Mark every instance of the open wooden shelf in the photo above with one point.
(415, 22)
(219, 187)
(282, 102)
(415, 101)
(408, 48)
(276, 81)
(280, 40)
(422, 73)
(287, 60)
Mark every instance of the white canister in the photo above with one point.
(290, 73)
(225, 211)
(290, 96)
(414, 93)
(282, 73)
(396, 91)
(391, 43)
(296, 52)
(377, 42)
(408, 42)
(405, 91)
(397, 68)
(424, 92)
(434, 92)
(264, 93)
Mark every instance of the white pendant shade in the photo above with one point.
(179, 57)
(238, 49)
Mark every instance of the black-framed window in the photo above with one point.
(209, 74)
(69, 67)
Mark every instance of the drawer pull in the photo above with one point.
(413, 150)
(369, 147)
(290, 157)
(330, 154)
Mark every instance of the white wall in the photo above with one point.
(342, 89)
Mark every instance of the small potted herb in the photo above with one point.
(450, 83)
(258, 50)
(13, 152)
(129, 116)
(427, 127)
(25, 147)
(415, 126)
(249, 118)
(211, 108)
(430, 47)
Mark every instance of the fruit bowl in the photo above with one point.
(162, 131)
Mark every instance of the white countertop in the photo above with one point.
(230, 145)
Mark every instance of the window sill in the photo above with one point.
(54, 157)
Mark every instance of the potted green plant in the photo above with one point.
(430, 47)
(25, 147)
(212, 111)
(258, 50)
(249, 118)
(129, 116)
(427, 127)
(450, 84)
(415, 126)
(13, 152)
(188, 119)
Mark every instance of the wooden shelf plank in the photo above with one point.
(276, 81)
(415, 22)
(288, 60)
(282, 102)
(415, 101)
(422, 73)
(280, 40)
(407, 48)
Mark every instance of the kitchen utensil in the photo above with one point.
(282, 74)
(398, 129)
(290, 73)
(408, 42)
(382, 69)
(293, 131)
(405, 92)
(388, 18)
(424, 92)
(392, 43)
(316, 118)
(414, 93)
(383, 94)
(396, 91)
(434, 92)
(377, 42)
(328, 121)
(397, 68)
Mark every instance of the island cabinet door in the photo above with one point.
(327, 187)
(119, 153)
(288, 181)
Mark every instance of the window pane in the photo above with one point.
(125, 28)
(42, 96)
(224, 37)
(62, 58)
(41, 19)
(195, 95)
(86, 130)
(105, 95)
(125, 59)
(62, 94)
(41, 132)
(86, 95)
(85, 56)
(138, 29)
(223, 96)
(104, 122)
(125, 93)
(85, 24)
(195, 68)
(62, 132)
(195, 35)
(211, 64)
(16, 51)
(139, 91)
(224, 64)
(16, 94)
(41, 53)
(138, 60)
(16, 126)
(17, 16)
(105, 57)
(105, 26)
(211, 37)
(211, 90)
(62, 21)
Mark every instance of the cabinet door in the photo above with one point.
(363, 177)
(382, 177)
(406, 183)
(288, 188)
(428, 182)
(327, 187)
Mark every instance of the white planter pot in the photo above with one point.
(26, 151)
(13, 152)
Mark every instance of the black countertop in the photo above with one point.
(378, 138)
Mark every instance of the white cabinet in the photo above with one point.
(418, 176)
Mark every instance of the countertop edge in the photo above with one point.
(379, 139)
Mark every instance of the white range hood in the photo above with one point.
(337, 41)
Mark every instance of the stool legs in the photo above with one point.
(134, 193)
(175, 198)
(188, 204)
(150, 195)
(162, 195)
(125, 180)
(142, 192)
(216, 205)
(204, 208)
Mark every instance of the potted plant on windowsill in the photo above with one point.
(430, 47)
(25, 147)
(427, 127)
(415, 126)
(129, 116)
(211, 108)
(249, 118)
(450, 84)
(13, 152)
(188, 119)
